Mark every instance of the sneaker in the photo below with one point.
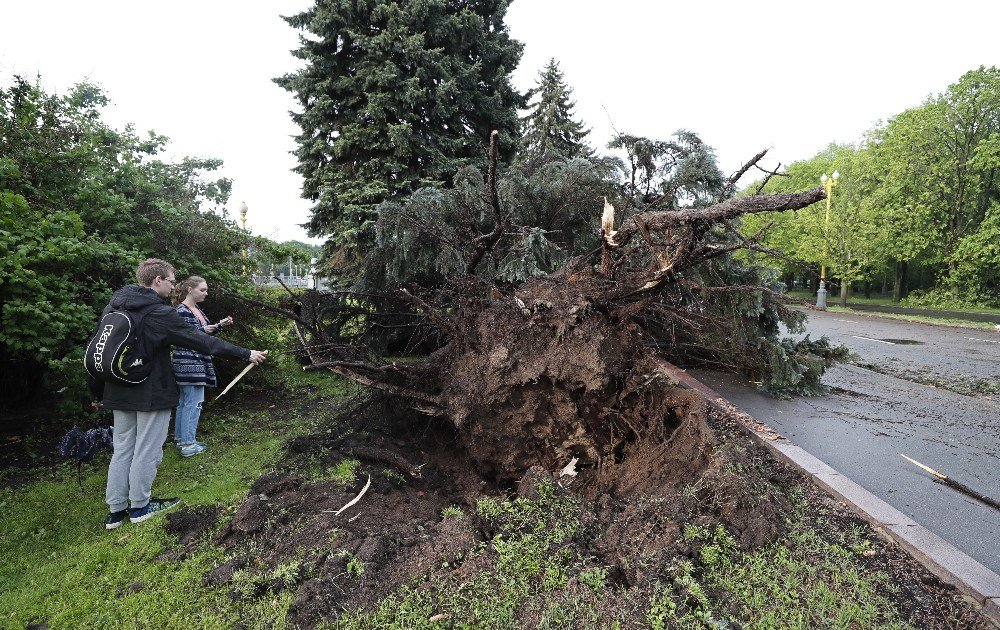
(155, 506)
(115, 519)
(187, 450)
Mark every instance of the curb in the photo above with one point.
(939, 556)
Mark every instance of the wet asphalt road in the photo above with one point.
(870, 417)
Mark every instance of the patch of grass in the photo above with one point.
(343, 473)
(531, 559)
(58, 565)
(832, 300)
(803, 581)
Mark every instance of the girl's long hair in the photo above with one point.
(184, 287)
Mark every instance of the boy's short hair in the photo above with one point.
(152, 267)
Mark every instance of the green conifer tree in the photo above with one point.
(549, 129)
(395, 95)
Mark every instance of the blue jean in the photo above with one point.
(188, 413)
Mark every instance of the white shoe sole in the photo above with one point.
(149, 515)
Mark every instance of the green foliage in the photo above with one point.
(795, 367)
(80, 205)
(395, 96)
(550, 131)
(552, 209)
(671, 174)
(918, 194)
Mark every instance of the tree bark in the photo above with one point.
(899, 284)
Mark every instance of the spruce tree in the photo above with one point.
(550, 130)
(395, 95)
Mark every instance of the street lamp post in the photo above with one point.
(828, 183)
(243, 224)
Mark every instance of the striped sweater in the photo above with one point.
(192, 367)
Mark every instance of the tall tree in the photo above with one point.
(550, 130)
(395, 95)
(938, 166)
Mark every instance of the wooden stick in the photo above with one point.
(961, 487)
(234, 381)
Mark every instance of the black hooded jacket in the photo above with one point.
(162, 327)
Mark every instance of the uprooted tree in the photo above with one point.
(571, 364)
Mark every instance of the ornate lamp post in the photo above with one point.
(243, 224)
(829, 183)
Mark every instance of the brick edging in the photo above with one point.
(940, 557)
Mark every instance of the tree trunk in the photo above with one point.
(845, 288)
(868, 289)
(899, 286)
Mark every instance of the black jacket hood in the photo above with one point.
(134, 297)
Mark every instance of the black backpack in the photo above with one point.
(117, 353)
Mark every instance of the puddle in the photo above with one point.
(904, 342)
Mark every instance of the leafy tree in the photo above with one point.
(395, 96)
(550, 130)
(80, 204)
(938, 166)
(850, 239)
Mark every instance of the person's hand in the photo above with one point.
(228, 321)
(258, 356)
(211, 328)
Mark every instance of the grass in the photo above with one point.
(58, 565)
(803, 581)
(927, 319)
(800, 581)
(834, 299)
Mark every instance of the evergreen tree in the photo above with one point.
(675, 173)
(550, 130)
(395, 95)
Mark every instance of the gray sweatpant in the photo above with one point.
(138, 439)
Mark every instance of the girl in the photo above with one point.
(194, 371)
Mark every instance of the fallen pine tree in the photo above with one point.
(566, 366)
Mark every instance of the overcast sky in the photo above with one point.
(792, 76)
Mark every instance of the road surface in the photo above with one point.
(907, 403)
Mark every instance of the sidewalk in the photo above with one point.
(940, 557)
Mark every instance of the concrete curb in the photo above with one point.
(936, 554)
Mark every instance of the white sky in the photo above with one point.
(789, 75)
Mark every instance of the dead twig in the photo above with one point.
(354, 500)
(735, 177)
(486, 242)
(961, 487)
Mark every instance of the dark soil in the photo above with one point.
(29, 437)
(707, 471)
